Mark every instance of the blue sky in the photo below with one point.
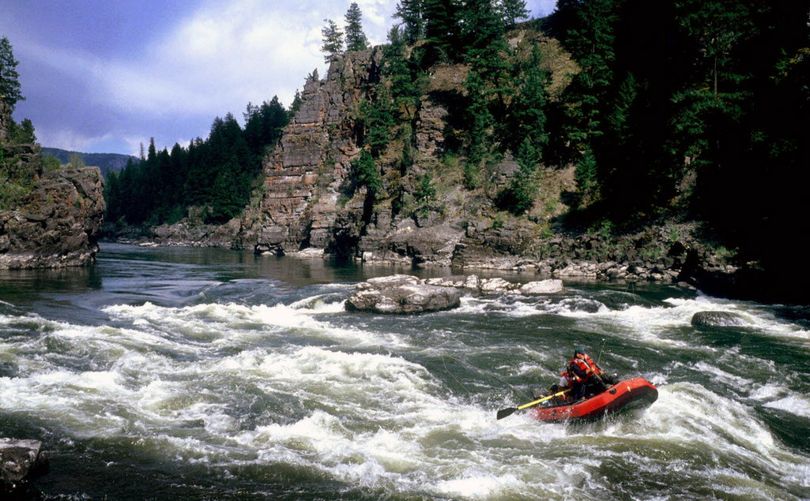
(105, 76)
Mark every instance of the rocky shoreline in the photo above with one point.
(665, 254)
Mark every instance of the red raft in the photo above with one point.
(630, 393)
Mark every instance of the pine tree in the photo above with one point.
(378, 118)
(10, 90)
(588, 32)
(528, 115)
(355, 38)
(22, 133)
(365, 173)
(413, 24)
(404, 76)
(332, 40)
(481, 121)
(522, 191)
(295, 105)
(442, 31)
(513, 11)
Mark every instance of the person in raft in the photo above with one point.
(583, 377)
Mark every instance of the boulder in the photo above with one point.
(19, 460)
(308, 253)
(57, 225)
(496, 285)
(472, 282)
(718, 319)
(447, 281)
(551, 286)
(399, 294)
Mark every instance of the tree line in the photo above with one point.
(216, 174)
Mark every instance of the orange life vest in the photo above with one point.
(583, 368)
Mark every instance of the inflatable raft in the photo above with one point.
(630, 393)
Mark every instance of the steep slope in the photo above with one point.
(308, 201)
(303, 177)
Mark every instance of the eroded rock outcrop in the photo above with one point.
(303, 177)
(57, 224)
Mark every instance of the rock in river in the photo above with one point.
(551, 286)
(402, 294)
(19, 459)
(718, 319)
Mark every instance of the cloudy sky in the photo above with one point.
(104, 76)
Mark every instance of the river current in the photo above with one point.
(209, 374)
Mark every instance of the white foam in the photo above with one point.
(479, 485)
(794, 404)
(234, 323)
(370, 418)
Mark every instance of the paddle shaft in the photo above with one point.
(509, 411)
(541, 400)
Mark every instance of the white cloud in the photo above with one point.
(223, 56)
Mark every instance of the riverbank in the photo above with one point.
(678, 253)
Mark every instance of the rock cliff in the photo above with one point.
(304, 202)
(58, 225)
(300, 206)
(49, 218)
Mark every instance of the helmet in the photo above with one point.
(579, 349)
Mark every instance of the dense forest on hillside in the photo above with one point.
(679, 109)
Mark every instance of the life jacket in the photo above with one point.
(583, 368)
(595, 368)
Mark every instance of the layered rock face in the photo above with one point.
(303, 176)
(58, 223)
(303, 204)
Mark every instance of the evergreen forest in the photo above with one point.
(217, 174)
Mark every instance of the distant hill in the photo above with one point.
(105, 161)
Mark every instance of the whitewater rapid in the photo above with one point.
(406, 406)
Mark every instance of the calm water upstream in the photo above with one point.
(207, 374)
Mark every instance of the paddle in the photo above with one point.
(511, 410)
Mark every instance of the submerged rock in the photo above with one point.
(402, 294)
(19, 460)
(718, 319)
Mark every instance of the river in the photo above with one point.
(210, 374)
